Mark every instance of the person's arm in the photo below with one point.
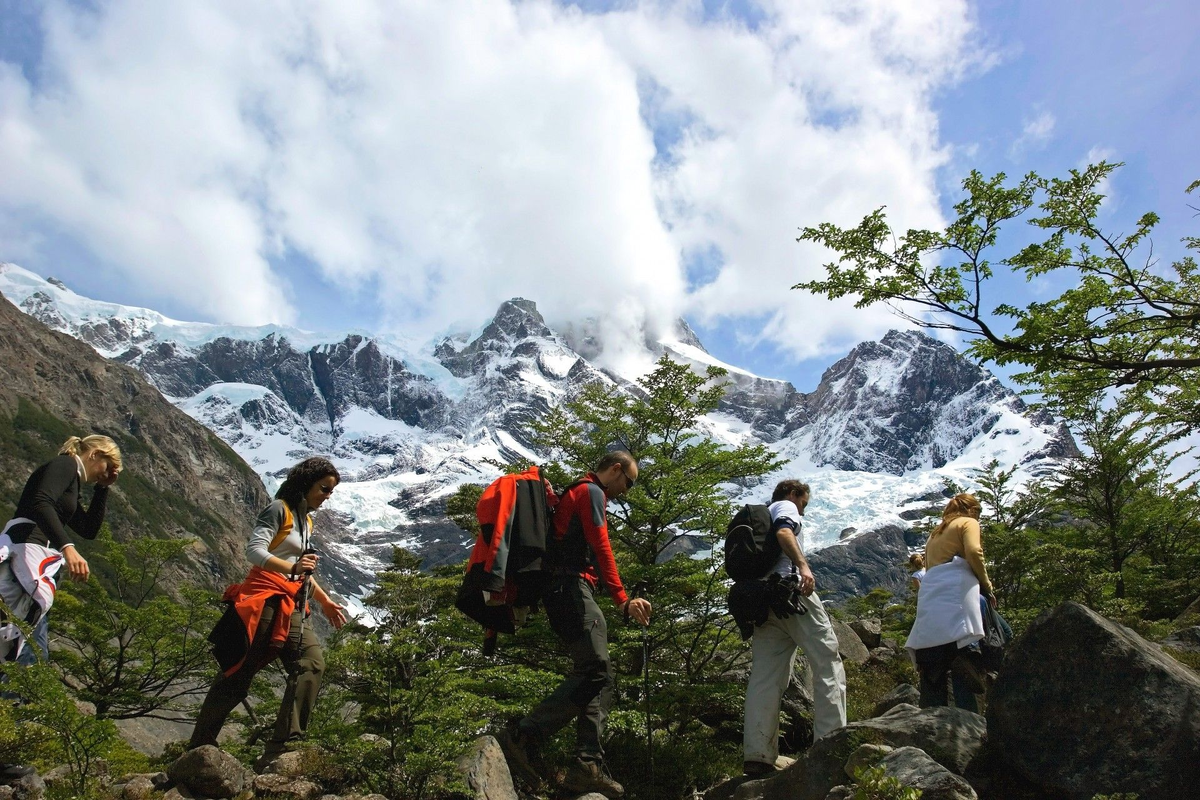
(56, 480)
(972, 541)
(789, 543)
(87, 523)
(595, 532)
(257, 552)
(333, 611)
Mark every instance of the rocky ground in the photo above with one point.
(1081, 707)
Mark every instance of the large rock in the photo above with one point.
(950, 735)
(209, 772)
(1187, 640)
(870, 632)
(905, 693)
(914, 768)
(486, 772)
(1085, 706)
(849, 645)
(870, 560)
(286, 787)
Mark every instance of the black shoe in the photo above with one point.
(587, 776)
(757, 769)
(519, 749)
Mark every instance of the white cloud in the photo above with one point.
(459, 152)
(1034, 135)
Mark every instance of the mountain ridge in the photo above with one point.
(408, 425)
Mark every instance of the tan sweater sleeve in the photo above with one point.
(972, 542)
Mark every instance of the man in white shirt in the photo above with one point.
(776, 640)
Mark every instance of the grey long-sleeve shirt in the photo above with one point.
(267, 526)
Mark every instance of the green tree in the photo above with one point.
(1119, 488)
(1124, 324)
(680, 506)
(48, 720)
(131, 649)
(415, 679)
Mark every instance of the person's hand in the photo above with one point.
(335, 613)
(109, 477)
(991, 598)
(639, 608)
(77, 566)
(807, 582)
(305, 563)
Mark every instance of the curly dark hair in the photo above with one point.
(303, 477)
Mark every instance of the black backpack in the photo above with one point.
(751, 548)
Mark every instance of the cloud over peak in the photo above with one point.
(453, 154)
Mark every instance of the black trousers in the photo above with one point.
(935, 665)
(585, 695)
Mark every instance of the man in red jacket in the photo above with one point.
(582, 559)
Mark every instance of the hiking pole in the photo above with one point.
(302, 599)
(638, 591)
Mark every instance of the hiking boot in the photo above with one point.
(272, 753)
(588, 776)
(757, 769)
(519, 751)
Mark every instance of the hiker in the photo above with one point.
(962, 685)
(581, 559)
(949, 618)
(266, 614)
(916, 566)
(775, 642)
(34, 544)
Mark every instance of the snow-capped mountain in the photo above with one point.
(409, 422)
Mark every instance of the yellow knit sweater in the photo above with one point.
(960, 538)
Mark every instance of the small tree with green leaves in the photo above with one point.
(48, 721)
(680, 506)
(1125, 323)
(131, 649)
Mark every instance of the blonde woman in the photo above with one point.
(34, 545)
(949, 617)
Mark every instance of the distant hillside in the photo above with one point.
(180, 479)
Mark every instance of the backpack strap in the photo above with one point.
(285, 527)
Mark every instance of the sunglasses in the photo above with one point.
(628, 480)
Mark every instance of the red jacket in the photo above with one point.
(581, 527)
(249, 597)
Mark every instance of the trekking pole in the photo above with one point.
(638, 591)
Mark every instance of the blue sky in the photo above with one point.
(408, 166)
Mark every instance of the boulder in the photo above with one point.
(840, 793)
(139, 787)
(914, 768)
(950, 735)
(486, 772)
(1084, 706)
(855, 566)
(1187, 640)
(849, 645)
(870, 632)
(27, 787)
(286, 787)
(905, 693)
(292, 764)
(209, 772)
(867, 755)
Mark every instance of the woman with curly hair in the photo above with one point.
(949, 616)
(34, 544)
(270, 607)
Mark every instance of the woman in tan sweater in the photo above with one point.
(957, 535)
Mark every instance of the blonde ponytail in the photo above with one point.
(76, 446)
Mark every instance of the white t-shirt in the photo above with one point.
(918, 575)
(785, 514)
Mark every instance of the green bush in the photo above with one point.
(873, 784)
